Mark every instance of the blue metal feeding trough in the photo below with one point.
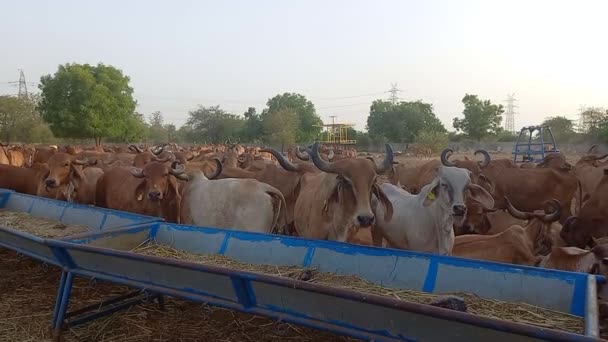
(529, 146)
(107, 256)
(92, 218)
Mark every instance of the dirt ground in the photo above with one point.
(28, 295)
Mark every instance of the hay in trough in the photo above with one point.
(515, 312)
(40, 227)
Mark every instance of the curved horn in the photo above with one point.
(590, 151)
(387, 163)
(555, 214)
(80, 161)
(135, 148)
(137, 172)
(157, 150)
(486, 158)
(516, 213)
(218, 170)
(169, 157)
(320, 163)
(177, 170)
(302, 155)
(601, 157)
(445, 156)
(281, 159)
(191, 157)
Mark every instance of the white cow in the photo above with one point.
(243, 204)
(424, 222)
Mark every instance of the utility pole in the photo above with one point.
(394, 90)
(510, 113)
(22, 84)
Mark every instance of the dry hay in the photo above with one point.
(40, 227)
(29, 290)
(515, 312)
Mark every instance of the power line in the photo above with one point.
(349, 97)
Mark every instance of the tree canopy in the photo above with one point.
(561, 127)
(403, 121)
(308, 125)
(85, 101)
(212, 125)
(280, 127)
(21, 122)
(481, 118)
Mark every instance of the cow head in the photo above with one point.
(449, 190)
(591, 160)
(471, 165)
(538, 224)
(160, 180)
(592, 220)
(555, 161)
(354, 185)
(61, 167)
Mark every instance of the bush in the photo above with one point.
(437, 141)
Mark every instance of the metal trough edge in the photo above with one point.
(466, 318)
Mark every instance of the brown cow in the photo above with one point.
(334, 204)
(62, 167)
(16, 156)
(556, 161)
(516, 245)
(43, 153)
(158, 154)
(152, 190)
(592, 221)
(83, 184)
(589, 171)
(23, 180)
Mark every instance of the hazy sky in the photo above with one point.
(552, 54)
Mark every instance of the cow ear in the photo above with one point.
(431, 195)
(388, 206)
(77, 172)
(480, 195)
(334, 195)
(486, 183)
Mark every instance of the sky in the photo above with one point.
(553, 55)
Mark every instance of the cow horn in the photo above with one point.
(555, 214)
(177, 170)
(601, 157)
(157, 150)
(281, 159)
(137, 172)
(302, 155)
(135, 148)
(445, 156)
(169, 157)
(387, 163)
(320, 163)
(486, 158)
(516, 213)
(590, 151)
(80, 161)
(218, 169)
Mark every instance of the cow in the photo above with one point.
(23, 180)
(592, 221)
(556, 161)
(516, 245)
(142, 158)
(589, 171)
(231, 203)
(43, 153)
(152, 190)
(16, 156)
(4, 160)
(62, 168)
(336, 203)
(83, 185)
(424, 222)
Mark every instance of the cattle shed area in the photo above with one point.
(362, 292)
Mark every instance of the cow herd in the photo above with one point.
(550, 214)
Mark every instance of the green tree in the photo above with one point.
(87, 102)
(433, 139)
(309, 123)
(280, 127)
(481, 118)
(135, 129)
(16, 114)
(401, 122)
(212, 125)
(171, 132)
(253, 129)
(561, 127)
(157, 132)
(596, 128)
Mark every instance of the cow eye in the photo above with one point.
(66, 164)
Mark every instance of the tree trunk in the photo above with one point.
(97, 141)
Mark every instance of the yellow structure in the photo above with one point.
(337, 134)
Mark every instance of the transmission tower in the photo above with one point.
(510, 114)
(394, 90)
(22, 84)
(583, 119)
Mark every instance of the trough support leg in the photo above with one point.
(59, 296)
(63, 306)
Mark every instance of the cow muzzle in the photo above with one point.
(51, 183)
(365, 220)
(155, 195)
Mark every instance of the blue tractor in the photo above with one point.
(533, 143)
